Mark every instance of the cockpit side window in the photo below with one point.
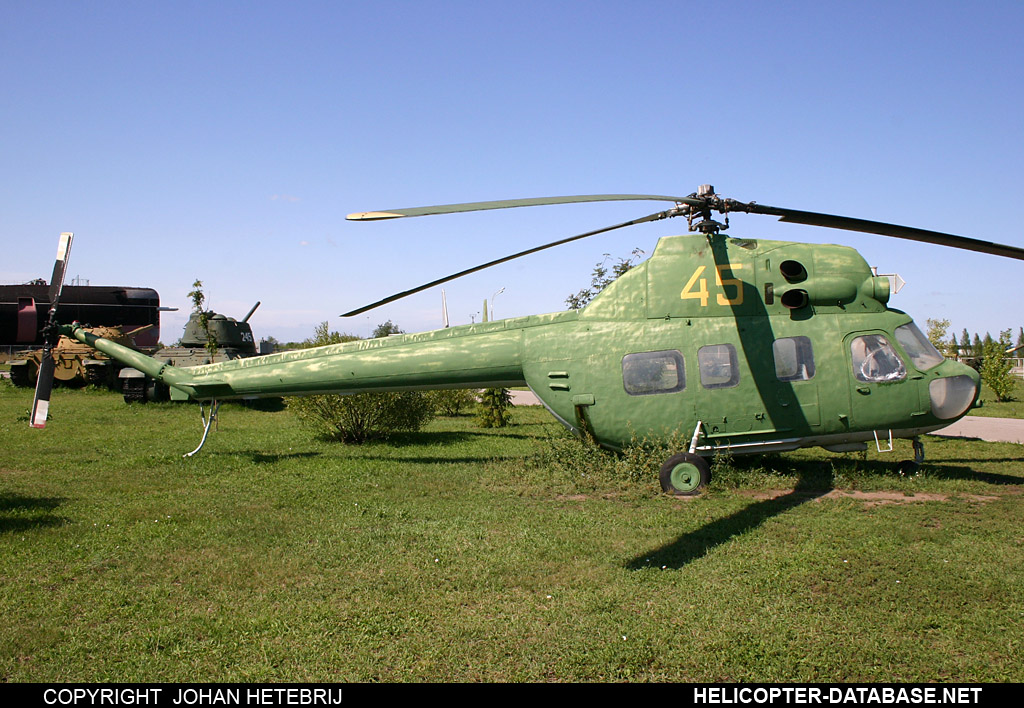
(874, 360)
(923, 354)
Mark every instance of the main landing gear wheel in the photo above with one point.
(910, 468)
(685, 474)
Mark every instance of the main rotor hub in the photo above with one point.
(710, 202)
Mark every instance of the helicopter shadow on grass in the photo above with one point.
(430, 460)
(694, 545)
(19, 513)
(438, 437)
(814, 480)
(944, 470)
(262, 457)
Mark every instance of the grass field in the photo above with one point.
(462, 554)
(1014, 408)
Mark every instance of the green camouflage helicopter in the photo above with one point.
(743, 345)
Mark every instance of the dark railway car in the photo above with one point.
(23, 310)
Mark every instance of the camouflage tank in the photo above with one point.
(233, 339)
(76, 364)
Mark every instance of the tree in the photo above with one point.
(937, 334)
(965, 343)
(199, 307)
(386, 329)
(494, 405)
(362, 416)
(995, 366)
(602, 278)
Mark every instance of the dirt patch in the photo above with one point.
(871, 499)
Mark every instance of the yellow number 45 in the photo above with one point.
(697, 287)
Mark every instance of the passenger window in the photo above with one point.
(645, 373)
(875, 360)
(794, 359)
(718, 366)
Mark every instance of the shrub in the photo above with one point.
(995, 366)
(450, 401)
(362, 416)
(639, 461)
(494, 405)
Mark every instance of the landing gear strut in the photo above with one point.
(207, 422)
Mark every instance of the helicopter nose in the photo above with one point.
(952, 396)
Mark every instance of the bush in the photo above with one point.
(995, 366)
(362, 416)
(639, 461)
(450, 401)
(494, 405)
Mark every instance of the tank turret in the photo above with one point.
(221, 338)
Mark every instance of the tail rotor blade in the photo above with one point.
(44, 385)
(60, 267)
(51, 334)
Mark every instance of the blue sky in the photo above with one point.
(226, 141)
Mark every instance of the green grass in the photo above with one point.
(462, 554)
(1014, 408)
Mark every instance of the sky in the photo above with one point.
(226, 141)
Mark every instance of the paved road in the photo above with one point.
(990, 429)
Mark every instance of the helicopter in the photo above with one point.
(742, 345)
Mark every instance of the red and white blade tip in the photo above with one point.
(39, 414)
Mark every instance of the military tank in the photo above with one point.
(76, 364)
(221, 339)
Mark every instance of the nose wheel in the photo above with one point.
(910, 468)
(685, 474)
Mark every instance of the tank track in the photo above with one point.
(134, 390)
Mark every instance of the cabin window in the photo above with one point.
(718, 366)
(923, 354)
(645, 373)
(874, 360)
(794, 359)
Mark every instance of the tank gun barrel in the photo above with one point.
(246, 318)
(140, 330)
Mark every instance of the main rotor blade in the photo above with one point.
(877, 227)
(511, 203)
(398, 296)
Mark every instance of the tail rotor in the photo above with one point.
(51, 334)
